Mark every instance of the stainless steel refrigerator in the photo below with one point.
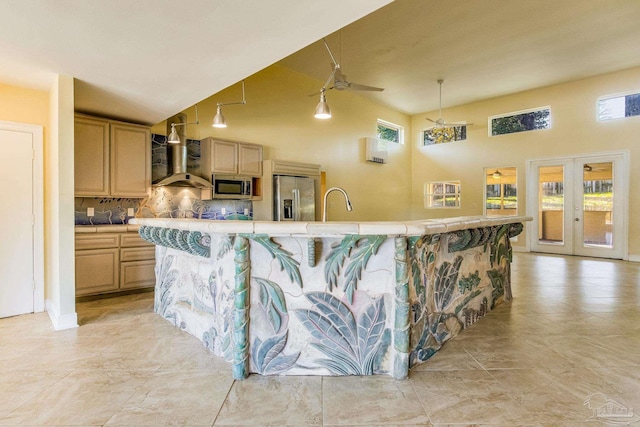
(294, 198)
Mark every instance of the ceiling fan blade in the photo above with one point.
(357, 86)
(431, 120)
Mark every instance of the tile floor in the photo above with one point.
(568, 342)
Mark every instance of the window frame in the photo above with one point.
(453, 125)
(389, 125)
(486, 183)
(613, 96)
(516, 113)
(428, 194)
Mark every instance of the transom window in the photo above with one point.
(444, 134)
(520, 121)
(390, 132)
(442, 194)
(501, 191)
(618, 106)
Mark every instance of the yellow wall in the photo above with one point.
(22, 105)
(279, 116)
(574, 131)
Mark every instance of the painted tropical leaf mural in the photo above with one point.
(351, 344)
(268, 355)
(498, 280)
(355, 251)
(445, 284)
(287, 263)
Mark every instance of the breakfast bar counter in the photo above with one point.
(329, 298)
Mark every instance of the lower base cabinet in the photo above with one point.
(113, 262)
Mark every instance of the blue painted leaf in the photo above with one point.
(340, 362)
(367, 247)
(265, 352)
(334, 261)
(281, 363)
(324, 331)
(338, 313)
(370, 329)
(273, 301)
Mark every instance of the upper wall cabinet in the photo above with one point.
(228, 157)
(111, 158)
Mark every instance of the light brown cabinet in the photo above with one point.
(230, 158)
(111, 158)
(112, 262)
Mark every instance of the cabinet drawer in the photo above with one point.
(129, 240)
(137, 274)
(97, 271)
(138, 254)
(97, 241)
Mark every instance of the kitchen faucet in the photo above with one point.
(346, 198)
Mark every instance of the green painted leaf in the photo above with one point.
(287, 263)
(370, 330)
(273, 301)
(445, 284)
(334, 261)
(366, 247)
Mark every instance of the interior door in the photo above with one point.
(579, 206)
(16, 224)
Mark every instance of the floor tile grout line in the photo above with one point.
(233, 383)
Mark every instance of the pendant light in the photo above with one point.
(218, 120)
(322, 109)
(173, 137)
(497, 174)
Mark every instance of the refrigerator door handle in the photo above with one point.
(296, 205)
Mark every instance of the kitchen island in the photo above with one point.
(329, 298)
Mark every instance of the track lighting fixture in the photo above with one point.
(218, 120)
(173, 137)
(322, 109)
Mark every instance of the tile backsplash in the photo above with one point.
(164, 202)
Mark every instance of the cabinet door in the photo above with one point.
(130, 160)
(249, 160)
(224, 157)
(137, 274)
(97, 271)
(91, 150)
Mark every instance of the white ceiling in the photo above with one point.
(145, 60)
(481, 48)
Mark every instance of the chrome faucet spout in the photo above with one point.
(326, 195)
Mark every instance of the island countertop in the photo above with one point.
(332, 228)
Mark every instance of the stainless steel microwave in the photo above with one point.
(231, 187)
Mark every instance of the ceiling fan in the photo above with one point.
(340, 81)
(440, 122)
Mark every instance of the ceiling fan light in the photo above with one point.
(173, 137)
(219, 120)
(497, 174)
(322, 109)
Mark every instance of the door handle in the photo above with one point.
(296, 205)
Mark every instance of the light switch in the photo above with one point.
(89, 211)
(130, 212)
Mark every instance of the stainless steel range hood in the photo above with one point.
(180, 177)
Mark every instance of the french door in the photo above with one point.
(578, 205)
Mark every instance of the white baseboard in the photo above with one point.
(634, 258)
(519, 249)
(60, 322)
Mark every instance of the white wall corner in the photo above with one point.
(634, 258)
(66, 321)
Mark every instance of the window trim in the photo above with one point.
(424, 131)
(387, 124)
(484, 196)
(515, 113)
(427, 196)
(611, 96)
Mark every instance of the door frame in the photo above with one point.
(532, 194)
(37, 195)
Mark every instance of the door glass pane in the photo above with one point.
(551, 205)
(597, 184)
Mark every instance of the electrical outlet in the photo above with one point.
(89, 211)
(246, 211)
(223, 211)
(130, 212)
